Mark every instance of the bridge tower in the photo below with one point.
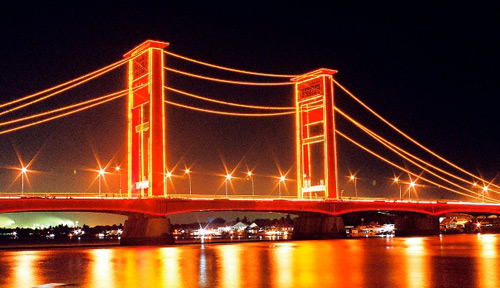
(315, 135)
(146, 135)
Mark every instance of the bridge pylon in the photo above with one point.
(315, 135)
(146, 129)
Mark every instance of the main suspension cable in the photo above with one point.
(411, 173)
(229, 113)
(62, 108)
(95, 75)
(63, 114)
(411, 139)
(227, 103)
(228, 81)
(391, 146)
(228, 69)
(111, 66)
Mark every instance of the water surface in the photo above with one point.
(447, 261)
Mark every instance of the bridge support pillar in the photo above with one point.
(417, 225)
(146, 230)
(309, 227)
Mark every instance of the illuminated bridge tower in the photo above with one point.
(315, 135)
(146, 148)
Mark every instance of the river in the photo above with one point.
(466, 260)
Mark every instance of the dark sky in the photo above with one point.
(430, 69)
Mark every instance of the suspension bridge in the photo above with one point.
(148, 187)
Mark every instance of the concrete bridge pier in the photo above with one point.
(141, 229)
(318, 226)
(416, 225)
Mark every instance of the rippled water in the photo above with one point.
(447, 261)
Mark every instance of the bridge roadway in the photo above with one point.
(166, 206)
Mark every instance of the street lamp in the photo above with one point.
(411, 185)
(282, 179)
(24, 170)
(354, 179)
(188, 172)
(250, 174)
(167, 176)
(485, 190)
(228, 178)
(101, 173)
(119, 173)
(396, 180)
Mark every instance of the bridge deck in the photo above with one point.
(162, 206)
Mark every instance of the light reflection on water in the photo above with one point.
(449, 261)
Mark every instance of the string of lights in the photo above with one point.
(392, 146)
(228, 81)
(395, 150)
(227, 68)
(110, 67)
(95, 75)
(63, 114)
(227, 103)
(411, 139)
(419, 177)
(62, 108)
(229, 113)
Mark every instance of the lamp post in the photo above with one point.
(354, 179)
(24, 170)
(167, 176)
(119, 173)
(282, 179)
(101, 173)
(396, 180)
(485, 190)
(250, 174)
(188, 173)
(228, 178)
(411, 185)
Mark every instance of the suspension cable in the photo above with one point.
(63, 114)
(410, 138)
(390, 147)
(229, 81)
(62, 108)
(95, 75)
(229, 113)
(227, 103)
(111, 66)
(409, 172)
(228, 69)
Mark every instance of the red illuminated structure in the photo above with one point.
(315, 135)
(146, 151)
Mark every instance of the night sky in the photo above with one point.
(430, 69)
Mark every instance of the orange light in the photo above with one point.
(396, 179)
(249, 173)
(187, 171)
(282, 178)
(402, 153)
(169, 174)
(408, 171)
(228, 177)
(60, 115)
(229, 81)
(24, 170)
(228, 69)
(227, 103)
(101, 172)
(407, 136)
(110, 67)
(229, 113)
